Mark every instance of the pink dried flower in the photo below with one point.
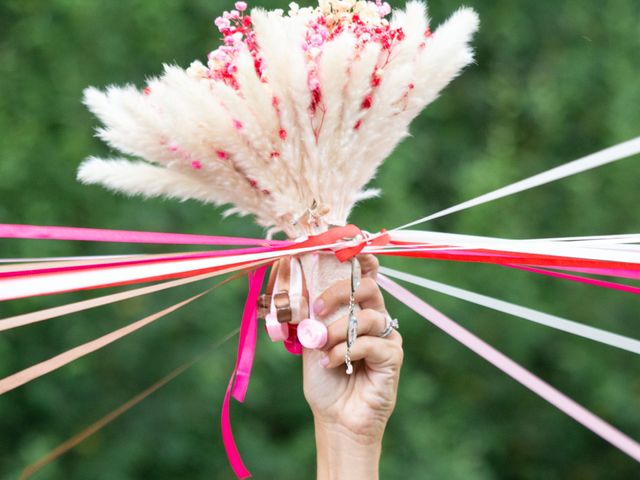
(384, 9)
(316, 40)
(222, 23)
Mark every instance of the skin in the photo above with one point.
(351, 412)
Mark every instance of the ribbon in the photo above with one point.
(98, 425)
(608, 155)
(125, 236)
(569, 326)
(62, 267)
(31, 373)
(239, 381)
(54, 312)
(577, 278)
(514, 370)
(608, 272)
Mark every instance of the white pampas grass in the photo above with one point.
(288, 122)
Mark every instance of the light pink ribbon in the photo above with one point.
(239, 381)
(125, 236)
(35, 371)
(511, 368)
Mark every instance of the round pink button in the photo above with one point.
(312, 334)
(278, 332)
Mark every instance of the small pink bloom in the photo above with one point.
(222, 23)
(316, 40)
(314, 84)
(234, 14)
(384, 9)
(196, 165)
(222, 155)
(238, 124)
(232, 69)
(283, 134)
(241, 6)
(218, 56)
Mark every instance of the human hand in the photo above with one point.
(351, 411)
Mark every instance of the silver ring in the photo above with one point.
(391, 325)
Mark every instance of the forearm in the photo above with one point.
(343, 456)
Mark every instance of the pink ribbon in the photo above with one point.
(577, 278)
(609, 272)
(239, 381)
(514, 370)
(125, 236)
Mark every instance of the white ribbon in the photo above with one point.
(569, 326)
(608, 155)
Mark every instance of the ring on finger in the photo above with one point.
(390, 325)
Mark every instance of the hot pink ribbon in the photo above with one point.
(239, 381)
(124, 236)
(609, 272)
(577, 278)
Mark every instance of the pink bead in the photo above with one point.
(278, 332)
(312, 334)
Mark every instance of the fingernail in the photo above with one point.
(318, 307)
(324, 361)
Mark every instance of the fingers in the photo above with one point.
(375, 351)
(368, 295)
(369, 265)
(370, 322)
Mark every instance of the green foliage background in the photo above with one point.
(553, 81)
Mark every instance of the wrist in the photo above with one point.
(342, 454)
